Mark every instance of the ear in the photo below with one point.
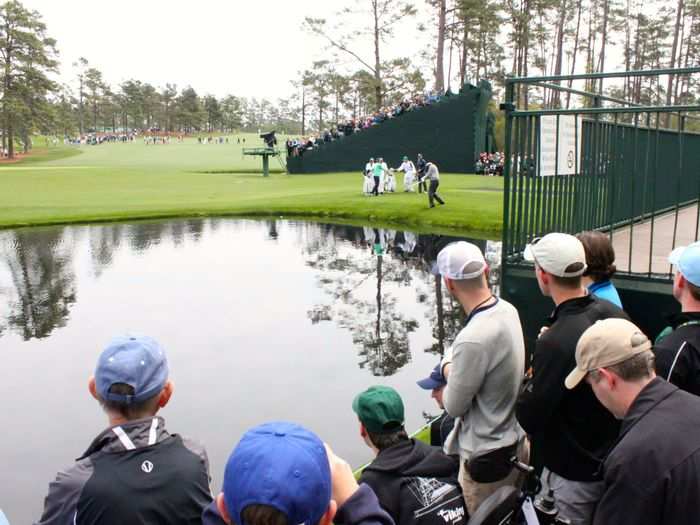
(363, 430)
(327, 518)
(682, 282)
(92, 388)
(165, 394)
(608, 377)
(221, 506)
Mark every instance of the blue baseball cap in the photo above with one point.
(687, 260)
(136, 361)
(282, 465)
(434, 380)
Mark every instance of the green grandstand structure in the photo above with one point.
(451, 133)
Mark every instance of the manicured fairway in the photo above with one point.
(129, 181)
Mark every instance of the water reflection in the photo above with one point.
(366, 276)
(42, 281)
(322, 310)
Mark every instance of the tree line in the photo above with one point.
(465, 41)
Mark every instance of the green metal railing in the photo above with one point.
(630, 170)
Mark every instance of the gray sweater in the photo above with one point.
(487, 369)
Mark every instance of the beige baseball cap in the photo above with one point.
(560, 254)
(606, 343)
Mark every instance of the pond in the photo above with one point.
(261, 320)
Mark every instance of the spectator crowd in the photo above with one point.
(611, 417)
(297, 147)
(490, 163)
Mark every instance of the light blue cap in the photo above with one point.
(136, 361)
(687, 260)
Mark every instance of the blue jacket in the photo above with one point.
(362, 508)
(606, 290)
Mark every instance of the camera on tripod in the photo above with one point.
(269, 139)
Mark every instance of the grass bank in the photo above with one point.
(135, 181)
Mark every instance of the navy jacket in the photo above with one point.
(652, 475)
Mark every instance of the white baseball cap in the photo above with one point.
(560, 254)
(460, 260)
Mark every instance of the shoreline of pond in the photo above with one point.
(439, 228)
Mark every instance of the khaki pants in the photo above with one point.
(475, 493)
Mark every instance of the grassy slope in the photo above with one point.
(120, 181)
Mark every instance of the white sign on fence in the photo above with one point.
(560, 153)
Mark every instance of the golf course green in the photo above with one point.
(66, 184)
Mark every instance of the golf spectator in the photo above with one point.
(600, 266)
(442, 426)
(652, 475)
(677, 350)
(281, 473)
(484, 368)
(570, 429)
(433, 175)
(403, 468)
(135, 471)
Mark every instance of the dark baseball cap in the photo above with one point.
(380, 409)
(434, 380)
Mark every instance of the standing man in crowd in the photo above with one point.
(404, 467)
(570, 428)
(282, 473)
(678, 348)
(442, 426)
(420, 164)
(484, 369)
(135, 471)
(433, 175)
(652, 475)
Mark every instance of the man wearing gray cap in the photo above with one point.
(652, 475)
(484, 369)
(570, 429)
(135, 471)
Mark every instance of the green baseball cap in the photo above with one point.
(380, 409)
(405, 157)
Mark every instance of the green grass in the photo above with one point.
(134, 181)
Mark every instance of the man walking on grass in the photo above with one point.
(433, 176)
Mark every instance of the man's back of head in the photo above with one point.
(278, 474)
(381, 413)
(560, 262)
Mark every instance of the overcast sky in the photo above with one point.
(242, 47)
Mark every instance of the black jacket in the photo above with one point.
(362, 508)
(678, 354)
(652, 475)
(440, 429)
(159, 478)
(404, 476)
(571, 428)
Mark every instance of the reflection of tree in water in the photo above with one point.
(104, 241)
(377, 326)
(41, 270)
